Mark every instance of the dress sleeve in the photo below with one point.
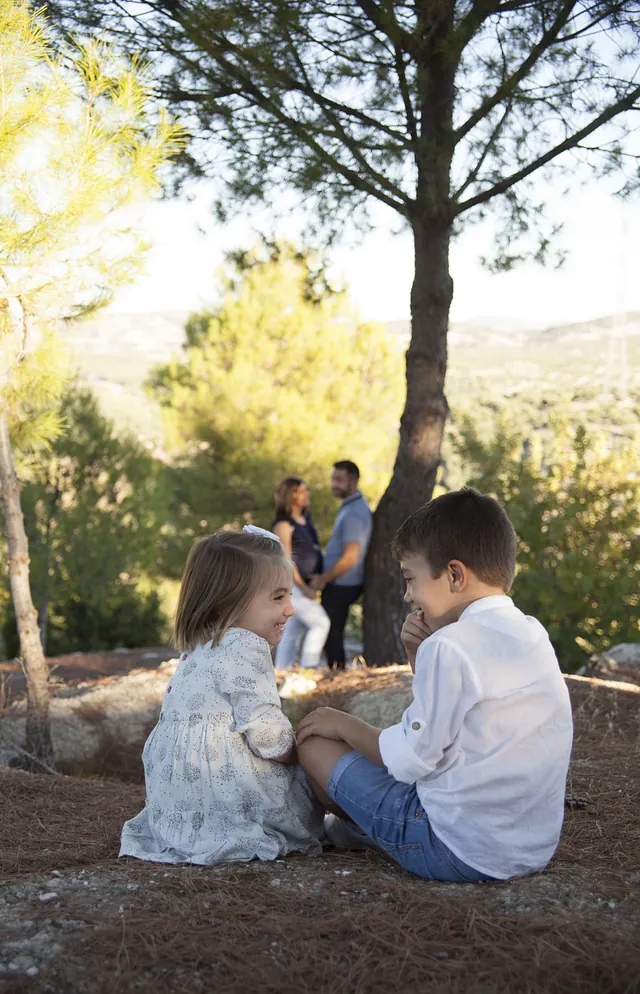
(445, 688)
(249, 684)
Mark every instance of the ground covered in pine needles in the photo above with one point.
(73, 918)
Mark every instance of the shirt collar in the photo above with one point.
(487, 604)
(351, 498)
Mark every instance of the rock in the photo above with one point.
(296, 708)
(122, 710)
(621, 662)
(382, 707)
(297, 685)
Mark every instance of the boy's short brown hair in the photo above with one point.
(464, 525)
(223, 574)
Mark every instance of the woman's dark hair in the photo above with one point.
(284, 495)
(464, 525)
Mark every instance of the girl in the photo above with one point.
(221, 771)
(310, 625)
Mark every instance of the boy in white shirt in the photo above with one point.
(470, 784)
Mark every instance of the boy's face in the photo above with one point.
(432, 595)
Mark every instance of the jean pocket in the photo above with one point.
(450, 861)
(410, 856)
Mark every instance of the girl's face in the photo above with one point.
(268, 612)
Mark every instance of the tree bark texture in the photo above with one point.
(38, 744)
(421, 430)
(426, 409)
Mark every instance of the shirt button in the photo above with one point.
(415, 725)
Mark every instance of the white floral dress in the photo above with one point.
(213, 793)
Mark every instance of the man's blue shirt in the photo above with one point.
(353, 524)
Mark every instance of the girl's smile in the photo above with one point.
(268, 612)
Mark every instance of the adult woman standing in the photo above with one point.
(310, 624)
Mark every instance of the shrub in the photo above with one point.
(574, 500)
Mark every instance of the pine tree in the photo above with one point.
(77, 145)
(436, 109)
(280, 378)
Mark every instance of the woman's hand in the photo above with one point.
(308, 592)
(317, 582)
(328, 723)
(414, 631)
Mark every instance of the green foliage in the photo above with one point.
(77, 146)
(328, 98)
(281, 378)
(574, 500)
(94, 505)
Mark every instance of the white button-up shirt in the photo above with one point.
(487, 739)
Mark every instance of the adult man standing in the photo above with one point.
(342, 579)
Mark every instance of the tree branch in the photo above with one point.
(276, 111)
(349, 143)
(473, 175)
(412, 126)
(507, 87)
(219, 45)
(397, 35)
(627, 103)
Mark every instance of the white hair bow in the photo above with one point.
(254, 530)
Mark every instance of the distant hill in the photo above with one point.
(115, 353)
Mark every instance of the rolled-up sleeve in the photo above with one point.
(445, 687)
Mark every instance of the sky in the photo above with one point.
(600, 276)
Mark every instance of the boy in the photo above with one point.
(470, 784)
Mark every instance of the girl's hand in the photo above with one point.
(325, 722)
(414, 631)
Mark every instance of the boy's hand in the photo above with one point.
(325, 722)
(414, 631)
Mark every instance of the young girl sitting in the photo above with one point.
(221, 772)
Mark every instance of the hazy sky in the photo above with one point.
(601, 275)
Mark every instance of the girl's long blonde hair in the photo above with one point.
(222, 576)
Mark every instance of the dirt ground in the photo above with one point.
(73, 918)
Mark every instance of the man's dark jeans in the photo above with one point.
(336, 601)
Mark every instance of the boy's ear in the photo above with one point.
(458, 575)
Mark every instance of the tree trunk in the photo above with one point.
(38, 746)
(421, 430)
(43, 613)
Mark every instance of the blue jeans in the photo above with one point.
(390, 812)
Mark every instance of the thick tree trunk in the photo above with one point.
(421, 431)
(38, 746)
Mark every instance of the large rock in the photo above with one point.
(621, 662)
(383, 707)
(92, 720)
(85, 718)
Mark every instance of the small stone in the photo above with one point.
(275, 882)
(33, 971)
(50, 896)
(442, 955)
